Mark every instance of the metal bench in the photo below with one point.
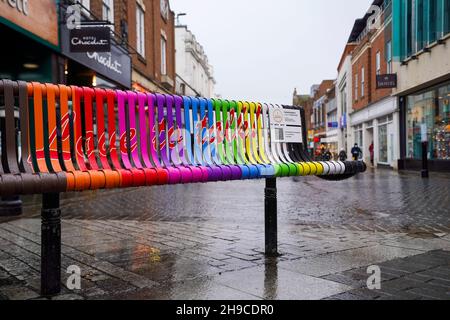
(58, 138)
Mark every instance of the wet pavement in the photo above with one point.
(207, 241)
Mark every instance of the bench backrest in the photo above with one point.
(87, 138)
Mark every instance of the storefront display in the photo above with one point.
(429, 110)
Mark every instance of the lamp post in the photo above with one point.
(425, 171)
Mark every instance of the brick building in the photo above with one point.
(374, 117)
(344, 95)
(319, 114)
(306, 101)
(143, 32)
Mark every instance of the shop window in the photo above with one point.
(383, 144)
(140, 30)
(431, 111)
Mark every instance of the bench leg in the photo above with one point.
(270, 210)
(50, 245)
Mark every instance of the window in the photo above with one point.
(140, 30)
(389, 56)
(429, 110)
(362, 82)
(378, 63)
(164, 7)
(108, 11)
(163, 56)
(447, 17)
(356, 87)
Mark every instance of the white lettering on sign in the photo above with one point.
(106, 60)
(20, 5)
(88, 41)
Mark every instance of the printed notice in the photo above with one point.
(277, 125)
(286, 126)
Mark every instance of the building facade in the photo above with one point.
(151, 31)
(306, 101)
(194, 73)
(319, 115)
(331, 141)
(30, 49)
(141, 55)
(421, 44)
(344, 96)
(374, 117)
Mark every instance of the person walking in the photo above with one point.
(343, 155)
(356, 152)
(327, 155)
(371, 151)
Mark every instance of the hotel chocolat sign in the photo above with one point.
(114, 64)
(386, 81)
(90, 39)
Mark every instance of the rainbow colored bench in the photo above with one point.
(76, 139)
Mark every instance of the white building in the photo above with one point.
(194, 74)
(344, 99)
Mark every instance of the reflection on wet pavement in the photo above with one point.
(207, 241)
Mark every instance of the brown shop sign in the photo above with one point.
(387, 81)
(90, 39)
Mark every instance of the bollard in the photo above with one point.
(270, 210)
(425, 171)
(10, 206)
(50, 245)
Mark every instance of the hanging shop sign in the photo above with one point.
(38, 18)
(387, 81)
(90, 39)
(114, 64)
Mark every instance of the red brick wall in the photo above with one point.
(364, 55)
(378, 45)
(150, 65)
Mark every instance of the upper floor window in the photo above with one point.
(389, 56)
(378, 63)
(362, 82)
(356, 86)
(140, 30)
(108, 11)
(163, 56)
(447, 17)
(164, 4)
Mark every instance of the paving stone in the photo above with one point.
(346, 260)
(14, 292)
(285, 284)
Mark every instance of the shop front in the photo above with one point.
(375, 130)
(86, 66)
(29, 31)
(426, 111)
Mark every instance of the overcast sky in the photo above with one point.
(262, 49)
